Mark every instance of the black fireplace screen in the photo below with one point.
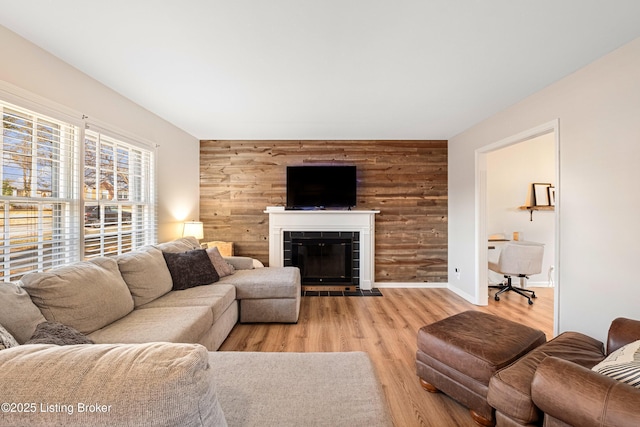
(323, 258)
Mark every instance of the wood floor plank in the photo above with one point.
(386, 328)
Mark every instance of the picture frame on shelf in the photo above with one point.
(540, 194)
(552, 195)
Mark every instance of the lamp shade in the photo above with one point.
(193, 228)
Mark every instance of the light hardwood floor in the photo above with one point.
(386, 328)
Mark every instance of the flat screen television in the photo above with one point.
(321, 187)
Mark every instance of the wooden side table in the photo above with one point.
(225, 248)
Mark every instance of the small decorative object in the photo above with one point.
(540, 194)
(552, 195)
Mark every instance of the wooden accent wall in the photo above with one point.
(405, 180)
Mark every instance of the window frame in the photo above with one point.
(28, 215)
(144, 206)
(71, 240)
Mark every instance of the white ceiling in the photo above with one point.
(325, 69)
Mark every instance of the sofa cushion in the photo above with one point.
(171, 324)
(145, 273)
(190, 269)
(222, 267)
(268, 282)
(157, 384)
(217, 297)
(623, 364)
(179, 245)
(58, 334)
(6, 339)
(86, 295)
(18, 314)
(510, 388)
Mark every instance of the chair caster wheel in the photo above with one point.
(497, 298)
(530, 302)
(533, 296)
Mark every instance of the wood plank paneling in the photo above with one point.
(405, 180)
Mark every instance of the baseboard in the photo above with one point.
(427, 285)
(400, 285)
(539, 284)
(472, 299)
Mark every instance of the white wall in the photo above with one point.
(32, 69)
(598, 200)
(510, 173)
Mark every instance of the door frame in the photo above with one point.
(482, 273)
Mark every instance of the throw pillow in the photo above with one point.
(86, 295)
(58, 334)
(18, 314)
(145, 273)
(180, 245)
(623, 364)
(190, 269)
(6, 339)
(222, 267)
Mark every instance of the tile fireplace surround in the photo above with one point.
(363, 222)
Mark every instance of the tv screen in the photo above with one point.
(319, 187)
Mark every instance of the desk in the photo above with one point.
(496, 240)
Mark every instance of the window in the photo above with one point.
(119, 208)
(70, 193)
(39, 221)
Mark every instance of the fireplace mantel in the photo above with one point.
(362, 221)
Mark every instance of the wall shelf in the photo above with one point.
(536, 208)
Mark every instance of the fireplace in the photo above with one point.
(358, 225)
(327, 260)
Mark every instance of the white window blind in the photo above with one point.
(40, 213)
(119, 195)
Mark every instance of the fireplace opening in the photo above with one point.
(325, 259)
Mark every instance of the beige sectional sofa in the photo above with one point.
(153, 361)
(129, 298)
(170, 385)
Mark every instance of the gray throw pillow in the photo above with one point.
(6, 339)
(222, 267)
(58, 334)
(190, 269)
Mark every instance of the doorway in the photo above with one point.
(528, 230)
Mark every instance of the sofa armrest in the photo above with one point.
(578, 396)
(241, 262)
(106, 385)
(622, 332)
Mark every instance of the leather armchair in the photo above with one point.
(572, 395)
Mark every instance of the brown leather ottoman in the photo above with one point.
(459, 354)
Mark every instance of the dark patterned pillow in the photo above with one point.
(58, 334)
(6, 339)
(190, 269)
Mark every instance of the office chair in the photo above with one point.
(519, 259)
